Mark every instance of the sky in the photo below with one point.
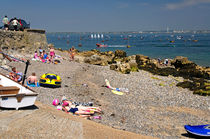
(110, 15)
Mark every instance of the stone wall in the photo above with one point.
(22, 42)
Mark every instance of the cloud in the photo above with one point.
(185, 3)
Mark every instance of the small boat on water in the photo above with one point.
(128, 46)
(101, 45)
(14, 94)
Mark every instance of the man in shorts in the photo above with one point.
(5, 21)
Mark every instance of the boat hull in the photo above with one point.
(198, 130)
(11, 97)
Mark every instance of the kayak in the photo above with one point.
(198, 130)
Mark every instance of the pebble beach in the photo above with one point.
(154, 105)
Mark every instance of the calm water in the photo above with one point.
(194, 46)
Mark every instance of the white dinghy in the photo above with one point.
(14, 94)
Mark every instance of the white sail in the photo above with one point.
(98, 36)
(102, 35)
(94, 35)
(91, 35)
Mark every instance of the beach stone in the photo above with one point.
(120, 54)
(123, 68)
(141, 60)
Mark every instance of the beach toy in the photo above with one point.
(55, 102)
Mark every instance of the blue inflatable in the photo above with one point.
(33, 85)
(200, 131)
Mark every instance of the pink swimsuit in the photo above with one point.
(35, 55)
(52, 53)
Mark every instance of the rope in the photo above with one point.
(13, 57)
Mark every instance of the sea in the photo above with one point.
(194, 46)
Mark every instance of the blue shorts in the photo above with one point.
(73, 110)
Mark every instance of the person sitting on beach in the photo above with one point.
(52, 54)
(32, 79)
(40, 51)
(36, 55)
(166, 62)
(14, 74)
(71, 53)
(44, 57)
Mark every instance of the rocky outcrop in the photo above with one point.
(95, 57)
(22, 42)
(197, 76)
(188, 69)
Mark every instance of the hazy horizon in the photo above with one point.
(109, 15)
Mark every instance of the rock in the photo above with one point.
(134, 66)
(79, 59)
(113, 67)
(188, 69)
(141, 60)
(123, 68)
(120, 54)
(202, 92)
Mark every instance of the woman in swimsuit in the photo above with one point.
(71, 53)
(80, 110)
(52, 54)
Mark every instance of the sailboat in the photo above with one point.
(102, 35)
(94, 35)
(91, 36)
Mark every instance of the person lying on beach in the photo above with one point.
(32, 79)
(80, 110)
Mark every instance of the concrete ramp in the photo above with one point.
(47, 122)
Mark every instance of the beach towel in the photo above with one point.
(117, 92)
(33, 85)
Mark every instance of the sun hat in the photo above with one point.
(65, 103)
(55, 102)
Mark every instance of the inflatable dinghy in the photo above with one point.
(200, 131)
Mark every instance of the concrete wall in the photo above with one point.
(22, 41)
